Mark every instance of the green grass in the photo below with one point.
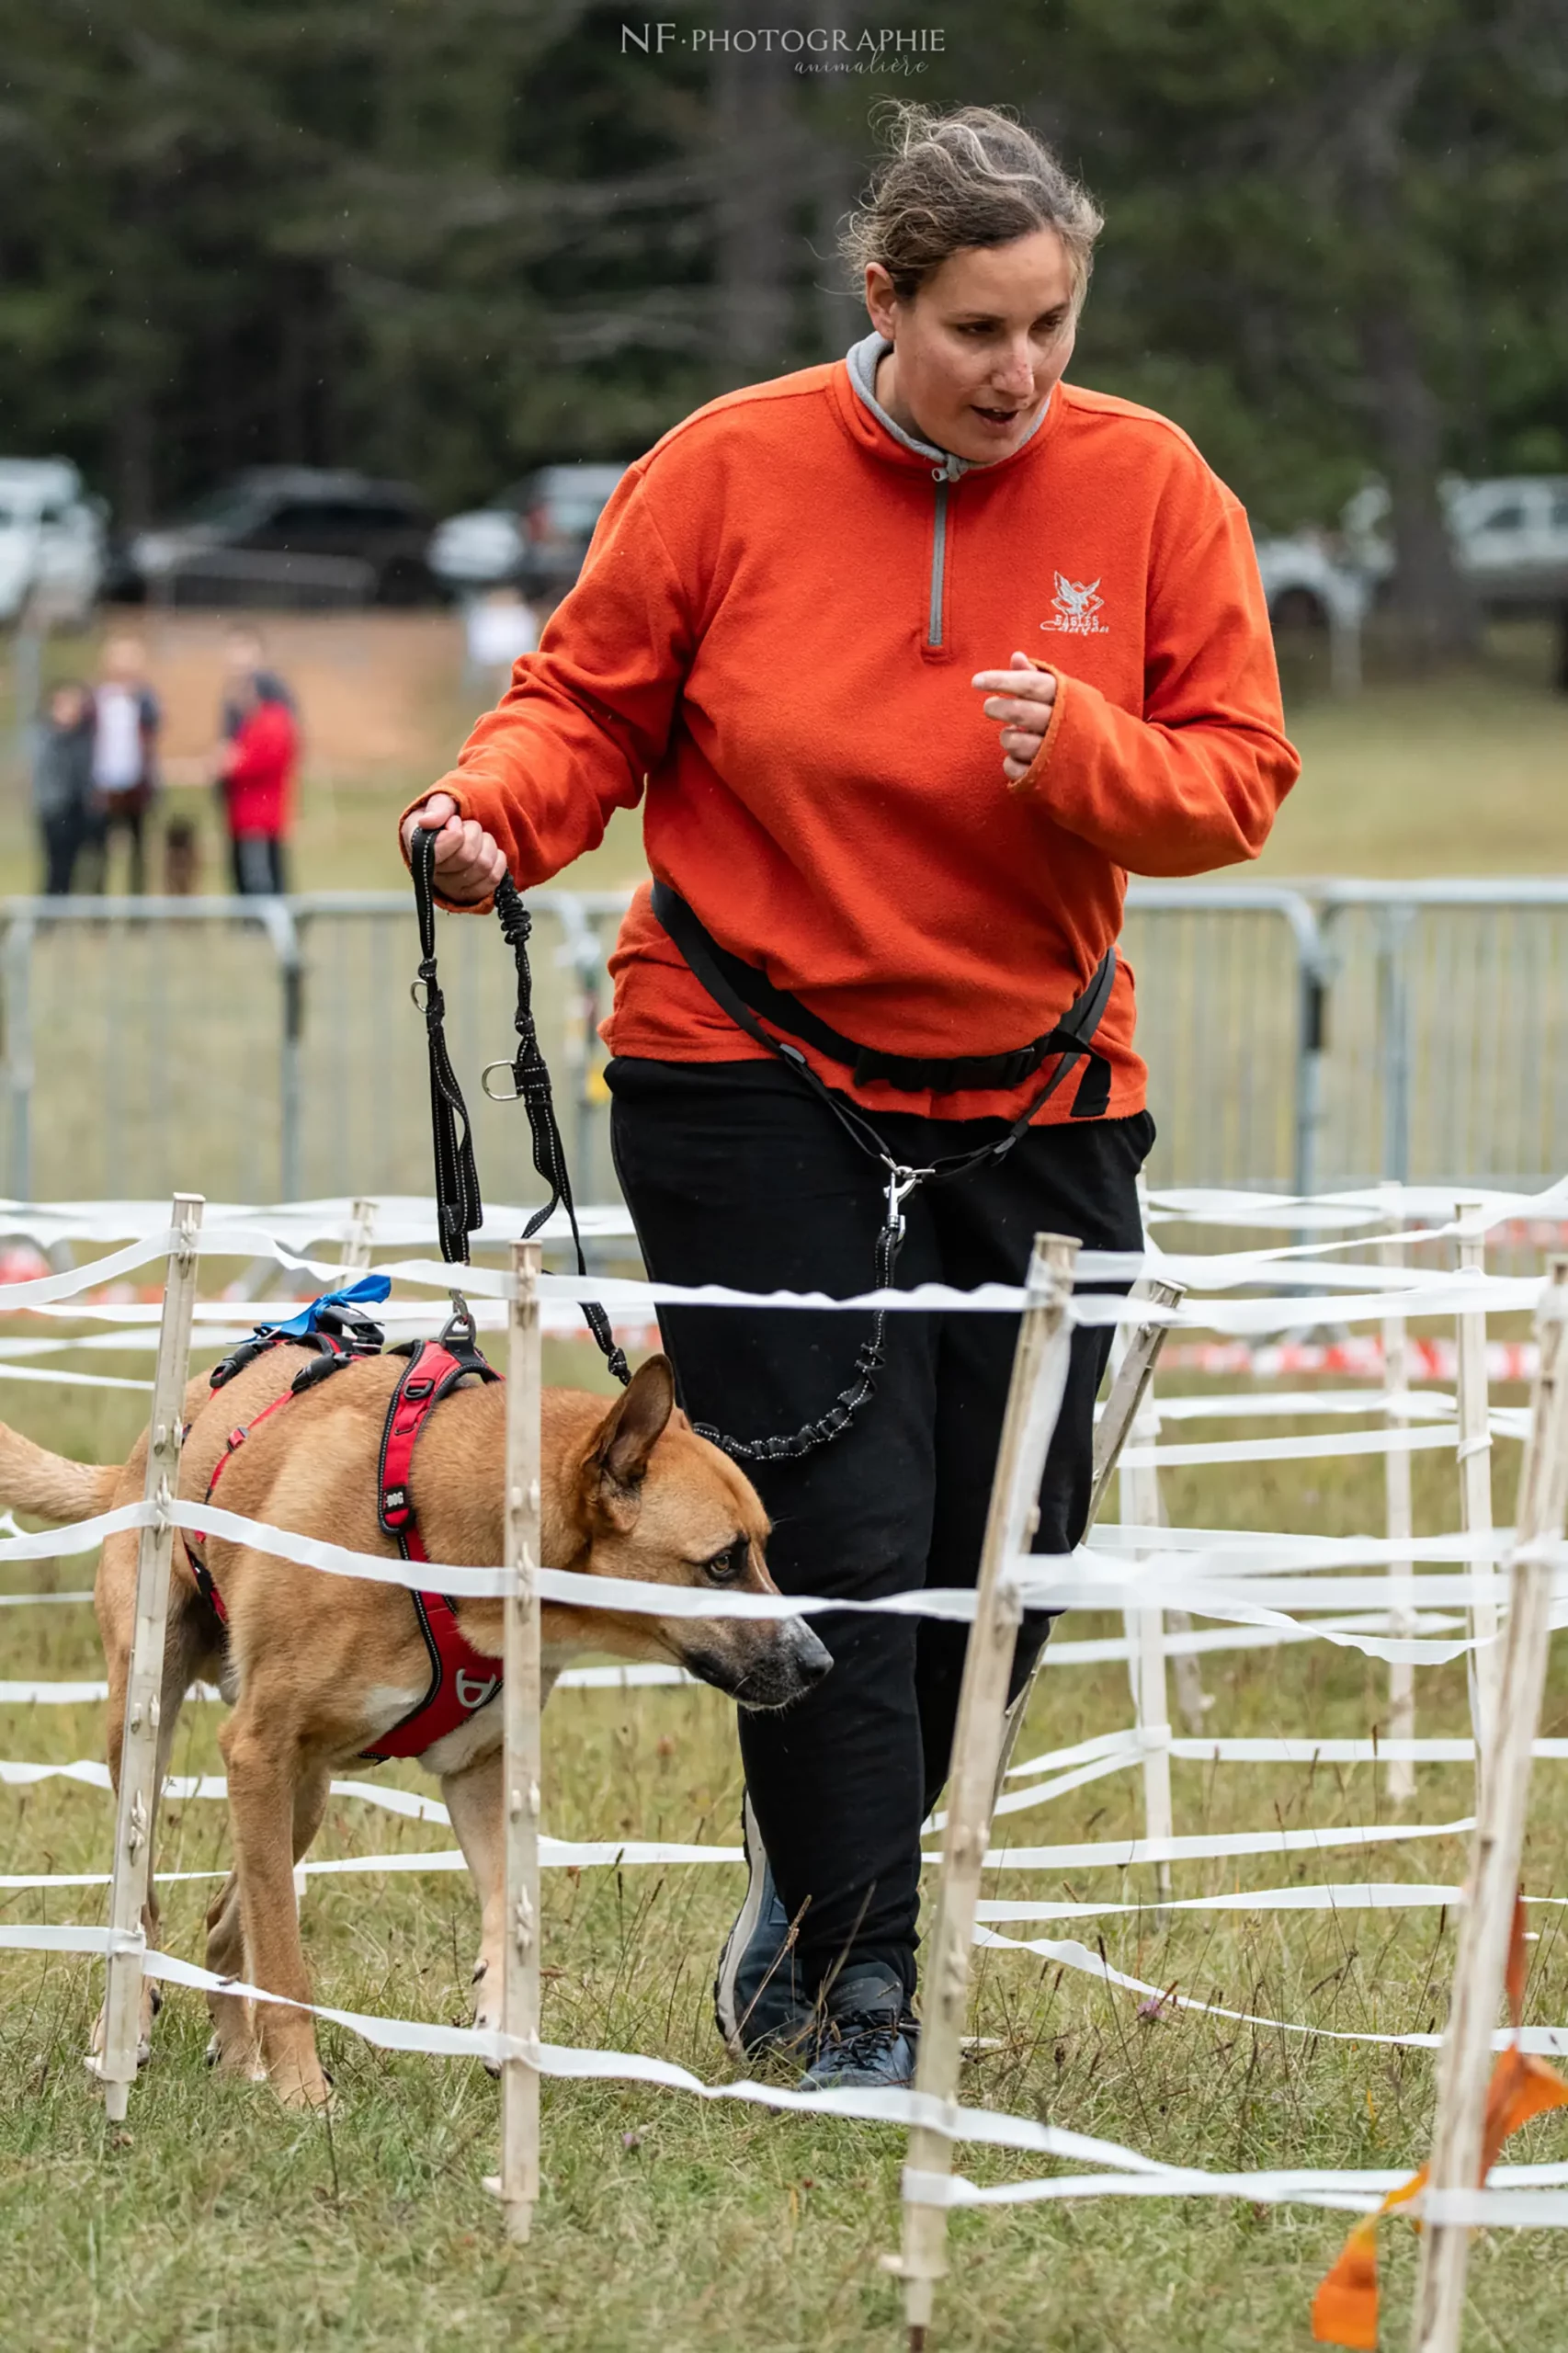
(216, 2221)
(1455, 774)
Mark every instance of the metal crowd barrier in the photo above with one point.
(1296, 1037)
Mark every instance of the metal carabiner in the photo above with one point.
(901, 1182)
(460, 1325)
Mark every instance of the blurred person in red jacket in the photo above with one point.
(257, 785)
(256, 767)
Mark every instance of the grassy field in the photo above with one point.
(216, 2221)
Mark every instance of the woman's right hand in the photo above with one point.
(469, 862)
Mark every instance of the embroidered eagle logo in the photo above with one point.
(1076, 607)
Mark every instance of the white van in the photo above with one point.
(52, 539)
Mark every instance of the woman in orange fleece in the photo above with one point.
(880, 937)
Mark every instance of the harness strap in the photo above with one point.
(460, 1212)
(194, 1537)
(462, 1678)
(911, 1074)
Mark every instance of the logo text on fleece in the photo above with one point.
(1075, 608)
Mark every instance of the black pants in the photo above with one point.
(255, 865)
(61, 840)
(734, 1173)
(126, 813)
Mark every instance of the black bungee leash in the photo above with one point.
(458, 1209)
(460, 1212)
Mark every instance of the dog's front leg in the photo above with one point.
(476, 1802)
(264, 1777)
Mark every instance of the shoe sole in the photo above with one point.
(726, 2016)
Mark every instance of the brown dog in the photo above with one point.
(318, 1666)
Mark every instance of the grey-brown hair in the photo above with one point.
(974, 176)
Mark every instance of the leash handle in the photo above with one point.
(458, 1209)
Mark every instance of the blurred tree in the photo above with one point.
(1322, 226)
(450, 240)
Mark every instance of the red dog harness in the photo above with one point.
(462, 1678)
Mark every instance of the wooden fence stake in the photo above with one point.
(143, 1749)
(1034, 1400)
(361, 1228)
(1400, 1773)
(1492, 1882)
(1139, 1484)
(522, 1753)
(1130, 1381)
(1475, 1489)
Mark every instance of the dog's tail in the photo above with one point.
(50, 1485)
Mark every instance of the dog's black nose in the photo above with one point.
(812, 1657)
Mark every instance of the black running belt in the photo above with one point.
(727, 977)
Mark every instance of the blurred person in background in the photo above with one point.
(126, 721)
(244, 665)
(62, 782)
(498, 629)
(256, 780)
(255, 764)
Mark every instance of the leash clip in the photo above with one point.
(460, 1325)
(901, 1182)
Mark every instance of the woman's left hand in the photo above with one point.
(1020, 698)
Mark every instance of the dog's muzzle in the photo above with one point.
(787, 1663)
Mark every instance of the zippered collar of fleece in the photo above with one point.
(864, 358)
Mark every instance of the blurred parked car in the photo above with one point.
(533, 536)
(288, 534)
(1307, 584)
(1509, 535)
(52, 539)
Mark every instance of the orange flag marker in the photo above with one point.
(1345, 2310)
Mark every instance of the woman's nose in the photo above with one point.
(1015, 373)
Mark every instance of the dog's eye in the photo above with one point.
(729, 1566)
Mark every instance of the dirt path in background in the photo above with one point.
(376, 691)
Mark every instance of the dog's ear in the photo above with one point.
(617, 1459)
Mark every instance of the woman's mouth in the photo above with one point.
(998, 419)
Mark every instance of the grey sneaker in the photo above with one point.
(758, 2001)
(866, 2038)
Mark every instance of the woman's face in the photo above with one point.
(980, 348)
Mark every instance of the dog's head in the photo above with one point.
(655, 1502)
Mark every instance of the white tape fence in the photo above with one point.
(1256, 1590)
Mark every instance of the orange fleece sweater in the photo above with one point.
(764, 641)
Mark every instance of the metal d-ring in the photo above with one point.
(418, 990)
(512, 1095)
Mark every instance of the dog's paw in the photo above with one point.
(235, 2056)
(310, 2090)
